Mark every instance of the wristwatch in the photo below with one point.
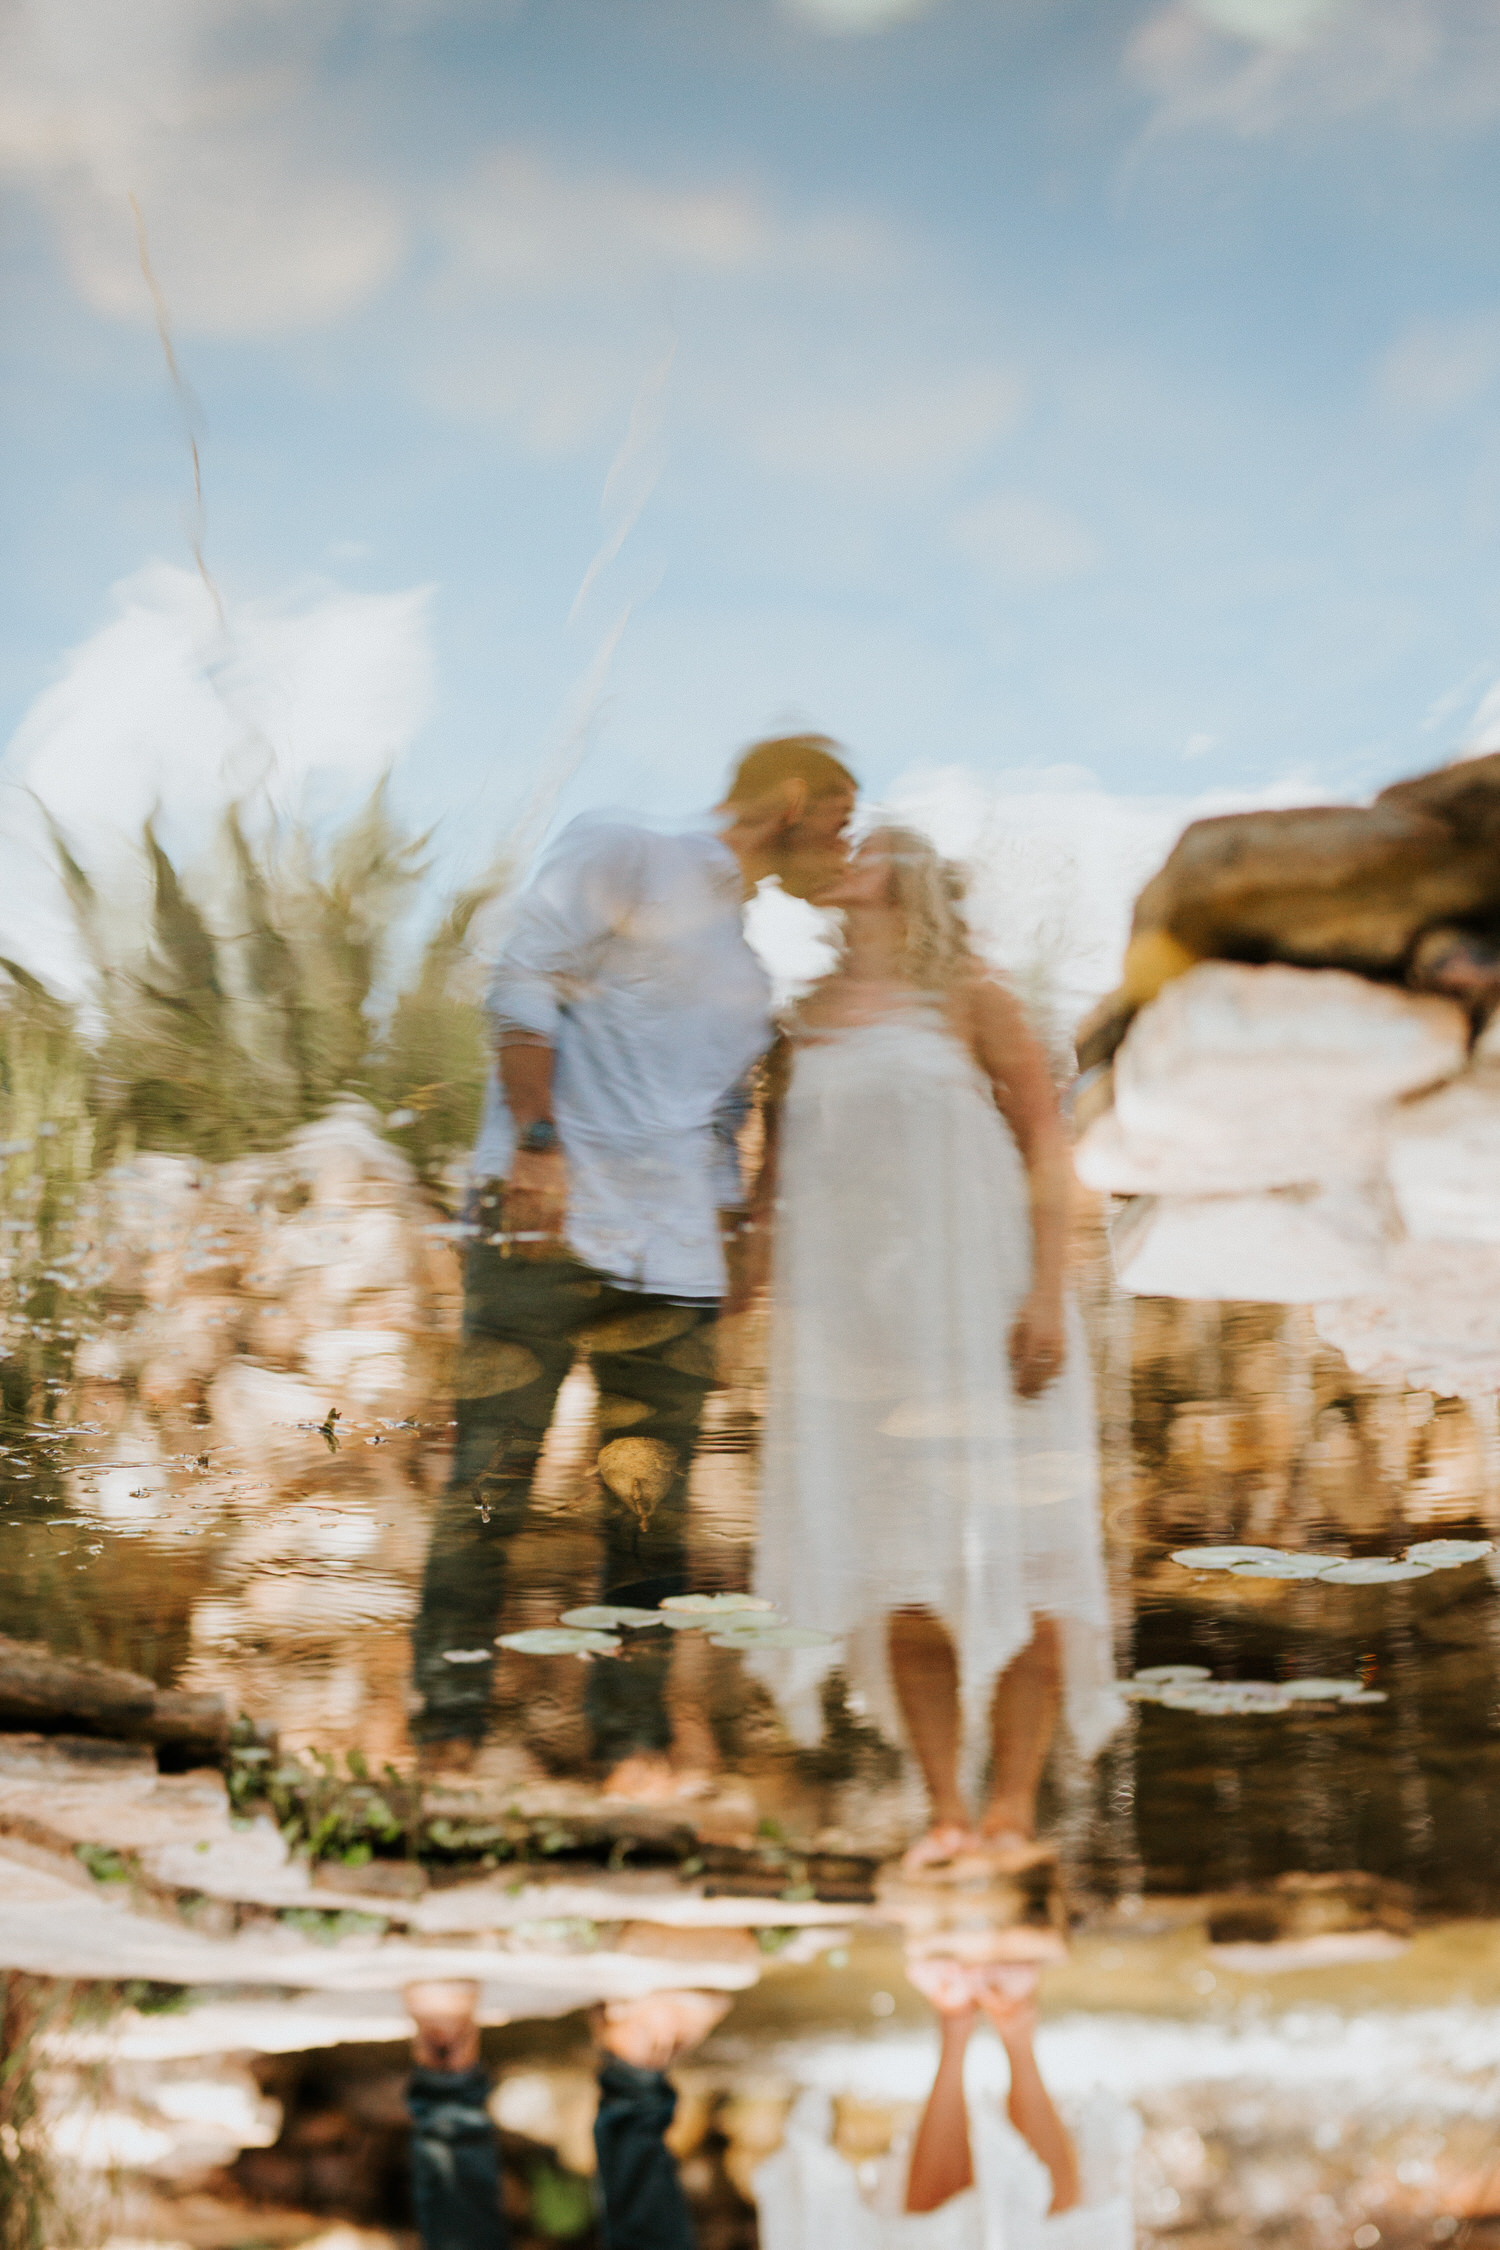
(539, 1138)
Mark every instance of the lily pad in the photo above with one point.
(776, 1636)
(1284, 1566)
(559, 1640)
(1165, 1675)
(1369, 1695)
(715, 1605)
(1223, 1558)
(1447, 1554)
(1320, 1691)
(466, 1656)
(607, 1617)
(1373, 1570)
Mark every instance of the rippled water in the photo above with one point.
(1265, 1956)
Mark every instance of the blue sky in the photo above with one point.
(1002, 385)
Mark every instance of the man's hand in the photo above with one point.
(1038, 1345)
(536, 1201)
(447, 2036)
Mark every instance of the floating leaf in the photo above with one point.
(466, 1656)
(1447, 1554)
(606, 1617)
(1320, 1691)
(1164, 1675)
(1373, 1570)
(559, 1640)
(1284, 1566)
(1369, 1695)
(776, 1636)
(1223, 1558)
(715, 1605)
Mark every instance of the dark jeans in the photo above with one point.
(455, 2166)
(644, 2206)
(455, 2162)
(525, 1321)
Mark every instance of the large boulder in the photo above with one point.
(1237, 1079)
(1321, 886)
(1464, 796)
(1432, 1325)
(1443, 1160)
(1296, 1246)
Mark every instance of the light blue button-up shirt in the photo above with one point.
(628, 953)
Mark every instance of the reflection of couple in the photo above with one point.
(929, 1451)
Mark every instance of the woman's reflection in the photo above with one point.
(930, 1482)
(974, 2176)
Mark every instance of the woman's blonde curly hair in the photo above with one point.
(938, 950)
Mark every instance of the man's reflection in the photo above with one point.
(930, 1483)
(628, 1009)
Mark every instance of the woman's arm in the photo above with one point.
(1014, 1061)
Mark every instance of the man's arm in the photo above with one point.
(579, 898)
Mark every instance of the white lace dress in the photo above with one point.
(809, 2197)
(898, 1465)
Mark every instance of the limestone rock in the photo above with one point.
(1294, 1246)
(1433, 1325)
(1444, 1161)
(1237, 1079)
(1465, 796)
(1325, 886)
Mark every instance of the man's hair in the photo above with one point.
(788, 757)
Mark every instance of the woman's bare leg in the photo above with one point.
(924, 1672)
(1023, 1719)
(942, 2164)
(1008, 1998)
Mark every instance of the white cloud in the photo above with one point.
(165, 708)
(1253, 67)
(209, 117)
(520, 224)
(870, 428)
(1439, 366)
(1270, 23)
(843, 17)
(1023, 543)
(1055, 863)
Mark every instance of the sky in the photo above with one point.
(1086, 410)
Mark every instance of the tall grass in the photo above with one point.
(267, 983)
(254, 991)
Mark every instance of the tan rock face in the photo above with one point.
(1323, 886)
(1464, 796)
(1239, 1078)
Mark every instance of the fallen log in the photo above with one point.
(47, 1694)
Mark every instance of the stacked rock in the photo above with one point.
(1297, 1088)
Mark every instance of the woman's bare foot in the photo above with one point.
(951, 1987)
(1010, 1849)
(1006, 1991)
(944, 1845)
(654, 2031)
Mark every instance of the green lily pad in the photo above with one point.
(776, 1636)
(607, 1617)
(714, 1605)
(1284, 1566)
(1447, 1554)
(1223, 1558)
(1373, 1570)
(559, 1640)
